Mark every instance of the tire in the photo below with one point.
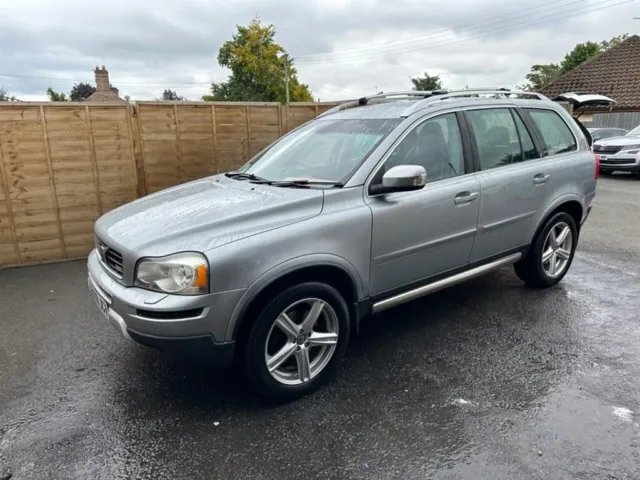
(536, 272)
(274, 336)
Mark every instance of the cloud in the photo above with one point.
(343, 48)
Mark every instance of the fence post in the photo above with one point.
(136, 151)
(12, 223)
(94, 159)
(178, 142)
(248, 120)
(215, 138)
(52, 181)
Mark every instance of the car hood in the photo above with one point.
(619, 141)
(204, 214)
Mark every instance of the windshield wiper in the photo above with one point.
(247, 176)
(304, 182)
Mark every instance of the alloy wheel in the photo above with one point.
(301, 341)
(556, 252)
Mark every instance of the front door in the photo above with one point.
(420, 234)
(513, 181)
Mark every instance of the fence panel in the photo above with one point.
(62, 165)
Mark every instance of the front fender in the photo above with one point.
(279, 271)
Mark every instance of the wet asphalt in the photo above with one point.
(485, 380)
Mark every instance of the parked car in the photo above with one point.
(606, 132)
(620, 153)
(374, 203)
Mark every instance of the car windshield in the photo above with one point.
(634, 132)
(327, 150)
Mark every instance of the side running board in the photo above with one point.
(444, 283)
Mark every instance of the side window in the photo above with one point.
(528, 148)
(496, 137)
(435, 144)
(556, 134)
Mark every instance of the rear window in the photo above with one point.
(556, 134)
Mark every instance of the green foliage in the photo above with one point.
(80, 92)
(171, 95)
(257, 67)
(541, 75)
(5, 97)
(427, 82)
(56, 96)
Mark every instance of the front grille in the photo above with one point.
(111, 258)
(607, 149)
(616, 161)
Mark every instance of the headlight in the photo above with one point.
(182, 274)
(631, 147)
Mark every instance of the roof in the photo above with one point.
(613, 73)
(104, 96)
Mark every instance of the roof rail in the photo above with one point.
(488, 91)
(429, 97)
(402, 95)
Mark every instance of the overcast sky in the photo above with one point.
(343, 49)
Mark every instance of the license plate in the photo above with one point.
(102, 304)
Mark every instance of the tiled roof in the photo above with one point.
(102, 96)
(614, 73)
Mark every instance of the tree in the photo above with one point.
(56, 96)
(4, 96)
(541, 75)
(258, 67)
(427, 83)
(81, 91)
(171, 95)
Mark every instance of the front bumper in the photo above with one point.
(186, 326)
(620, 162)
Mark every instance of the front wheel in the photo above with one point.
(297, 341)
(551, 252)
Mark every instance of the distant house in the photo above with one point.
(614, 73)
(105, 92)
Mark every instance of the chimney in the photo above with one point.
(102, 79)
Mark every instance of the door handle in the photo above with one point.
(540, 178)
(465, 197)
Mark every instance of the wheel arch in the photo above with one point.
(570, 204)
(330, 269)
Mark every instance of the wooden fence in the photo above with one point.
(62, 165)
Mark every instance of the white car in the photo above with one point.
(619, 153)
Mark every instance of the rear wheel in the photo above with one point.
(297, 341)
(551, 253)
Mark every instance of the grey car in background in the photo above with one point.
(375, 203)
(620, 153)
(598, 133)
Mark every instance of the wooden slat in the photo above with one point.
(136, 155)
(9, 209)
(180, 159)
(43, 120)
(94, 161)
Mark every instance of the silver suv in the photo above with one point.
(374, 203)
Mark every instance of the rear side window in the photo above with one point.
(496, 137)
(556, 134)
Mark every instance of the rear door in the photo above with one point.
(513, 180)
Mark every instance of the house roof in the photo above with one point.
(104, 96)
(614, 73)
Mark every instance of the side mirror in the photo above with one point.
(403, 178)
